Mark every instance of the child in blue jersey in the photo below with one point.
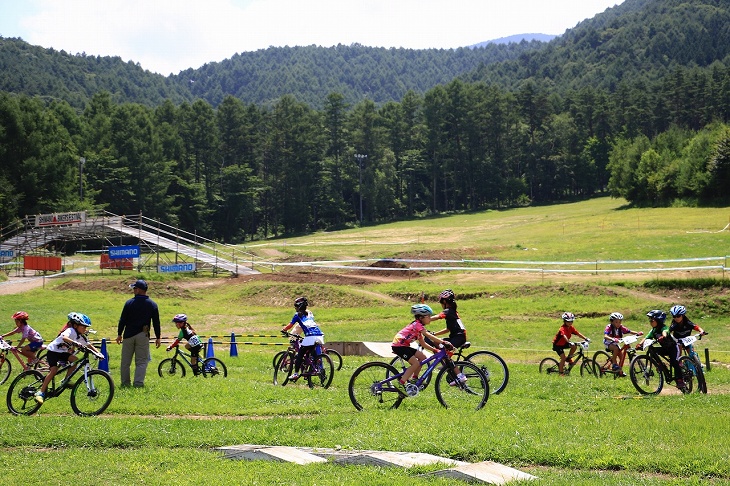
(313, 335)
(193, 341)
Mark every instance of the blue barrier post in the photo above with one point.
(210, 353)
(234, 347)
(104, 364)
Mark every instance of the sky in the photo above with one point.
(168, 36)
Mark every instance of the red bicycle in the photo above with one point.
(6, 366)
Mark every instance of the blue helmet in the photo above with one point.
(678, 310)
(658, 315)
(79, 318)
(421, 310)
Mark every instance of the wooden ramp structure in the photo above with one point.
(37, 232)
(487, 472)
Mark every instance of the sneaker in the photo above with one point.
(682, 387)
(294, 377)
(40, 397)
(622, 374)
(615, 367)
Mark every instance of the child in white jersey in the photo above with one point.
(193, 341)
(59, 350)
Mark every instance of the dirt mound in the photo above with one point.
(121, 286)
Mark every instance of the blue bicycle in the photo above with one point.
(376, 384)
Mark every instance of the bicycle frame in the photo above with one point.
(432, 361)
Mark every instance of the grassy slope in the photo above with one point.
(571, 429)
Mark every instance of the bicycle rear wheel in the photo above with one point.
(336, 358)
(171, 367)
(214, 367)
(367, 388)
(320, 372)
(92, 394)
(549, 366)
(5, 369)
(21, 393)
(471, 394)
(602, 361)
(645, 376)
(283, 368)
(494, 369)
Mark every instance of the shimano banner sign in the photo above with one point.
(54, 219)
(7, 253)
(177, 267)
(130, 251)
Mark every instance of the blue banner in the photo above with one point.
(177, 267)
(131, 251)
(7, 253)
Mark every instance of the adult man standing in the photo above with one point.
(133, 333)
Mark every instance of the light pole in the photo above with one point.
(360, 158)
(82, 161)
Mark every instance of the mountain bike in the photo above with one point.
(6, 366)
(316, 370)
(650, 371)
(602, 359)
(175, 366)
(376, 384)
(334, 356)
(693, 364)
(91, 394)
(587, 366)
(491, 364)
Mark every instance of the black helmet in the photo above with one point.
(658, 315)
(301, 303)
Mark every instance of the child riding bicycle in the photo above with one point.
(681, 326)
(34, 338)
(193, 341)
(313, 335)
(454, 326)
(611, 339)
(561, 341)
(668, 346)
(59, 350)
(416, 330)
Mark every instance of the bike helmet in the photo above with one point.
(180, 318)
(301, 303)
(78, 318)
(658, 315)
(421, 310)
(22, 315)
(447, 295)
(678, 310)
(616, 315)
(568, 316)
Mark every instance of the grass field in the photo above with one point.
(563, 430)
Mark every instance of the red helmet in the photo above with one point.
(22, 315)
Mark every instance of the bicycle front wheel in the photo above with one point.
(494, 369)
(92, 394)
(588, 367)
(283, 368)
(646, 377)
(549, 366)
(368, 388)
(700, 375)
(21, 394)
(5, 369)
(471, 394)
(336, 358)
(321, 372)
(171, 367)
(214, 367)
(686, 366)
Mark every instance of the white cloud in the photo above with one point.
(170, 35)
